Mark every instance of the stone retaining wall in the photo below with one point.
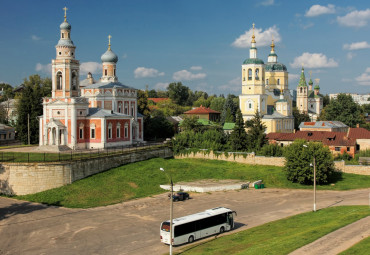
(352, 169)
(28, 178)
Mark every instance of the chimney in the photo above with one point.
(358, 125)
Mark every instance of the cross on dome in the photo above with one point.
(65, 13)
(253, 37)
(109, 37)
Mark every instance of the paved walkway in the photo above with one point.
(339, 240)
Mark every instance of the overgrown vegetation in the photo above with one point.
(142, 179)
(283, 236)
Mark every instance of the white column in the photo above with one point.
(73, 125)
(64, 80)
(41, 135)
(53, 81)
(103, 131)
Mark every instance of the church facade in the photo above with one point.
(98, 114)
(265, 90)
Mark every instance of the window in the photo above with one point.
(119, 107)
(118, 130)
(243, 74)
(267, 81)
(249, 105)
(59, 80)
(105, 72)
(92, 131)
(337, 148)
(249, 74)
(81, 133)
(132, 110)
(62, 35)
(348, 148)
(126, 108)
(126, 130)
(74, 81)
(311, 105)
(257, 74)
(110, 131)
(60, 53)
(114, 72)
(278, 81)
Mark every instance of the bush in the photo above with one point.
(298, 160)
(271, 150)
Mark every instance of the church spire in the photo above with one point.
(272, 58)
(302, 79)
(253, 49)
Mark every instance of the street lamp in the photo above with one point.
(314, 180)
(171, 209)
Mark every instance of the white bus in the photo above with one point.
(199, 225)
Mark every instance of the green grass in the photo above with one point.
(360, 248)
(143, 178)
(282, 236)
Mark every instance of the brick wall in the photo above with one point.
(28, 178)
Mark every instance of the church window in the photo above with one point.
(119, 107)
(249, 105)
(74, 81)
(62, 35)
(114, 71)
(132, 110)
(267, 81)
(311, 105)
(92, 131)
(105, 72)
(243, 74)
(300, 90)
(118, 130)
(110, 131)
(257, 74)
(81, 132)
(249, 74)
(278, 81)
(126, 130)
(59, 80)
(60, 53)
(72, 53)
(126, 108)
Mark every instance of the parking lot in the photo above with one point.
(133, 227)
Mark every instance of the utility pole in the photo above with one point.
(28, 127)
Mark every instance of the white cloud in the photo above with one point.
(185, 75)
(267, 2)
(35, 38)
(355, 19)
(350, 55)
(313, 60)
(196, 68)
(143, 72)
(263, 38)
(161, 85)
(43, 68)
(233, 85)
(317, 10)
(92, 67)
(364, 79)
(356, 46)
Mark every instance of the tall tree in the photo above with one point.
(256, 132)
(30, 103)
(229, 110)
(217, 103)
(142, 103)
(178, 93)
(238, 137)
(299, 118)
(343, 109)
(299, 162)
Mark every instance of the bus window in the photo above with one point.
(165, 226)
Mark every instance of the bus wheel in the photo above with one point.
(222, 229)
(191, 239)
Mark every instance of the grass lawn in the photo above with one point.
(283, 236)
(361, 248)
(143, 178)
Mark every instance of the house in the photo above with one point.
(204, 113)
(329, 126)
(10, 107)
(6, 133)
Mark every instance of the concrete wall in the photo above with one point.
(352, 169)
(28, 178)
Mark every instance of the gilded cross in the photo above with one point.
(65, 13)
(109, 37)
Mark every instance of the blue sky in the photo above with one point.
(201, 43)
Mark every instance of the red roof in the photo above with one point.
(156, 100)
(309, 123)
(359, 133)
(327, 138)
(201, 110)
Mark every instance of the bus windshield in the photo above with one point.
(165, 226)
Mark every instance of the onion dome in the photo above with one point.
(253, 61)
(275, 67)
(310, 82)
(65, 26)
(109, 55)
(302, 80)
(317, 86)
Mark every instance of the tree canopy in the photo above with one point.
(256, 132)
(343, 109)
(299, 118)
(178, 93)
(238, 137)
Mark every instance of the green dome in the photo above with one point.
(310, 82)
(253, 61)
(275, 67)
(317, 87)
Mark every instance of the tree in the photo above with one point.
(299, 118)
(217, 103)
(157, 127)
(7, 92)
(256, 132)
(178, 93)
(238, 137)
(326, 100)
(142, 103)
(152, 93)
(30, 103)
(343, 109)
(229, 110)
(299, 160)
(191, 123)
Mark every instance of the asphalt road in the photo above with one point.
(133, 227)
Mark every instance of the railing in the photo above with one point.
(75, 155)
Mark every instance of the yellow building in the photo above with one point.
(265, 89)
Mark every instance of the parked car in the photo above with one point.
(180, 196)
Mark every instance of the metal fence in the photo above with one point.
(74, 155)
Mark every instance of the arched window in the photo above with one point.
(132, 109)
(120, 107)
(126, 130)
(59, 80)
(92, 131)
(110, 131)
(300, 90)
(81, 131)
(62, 35)
(278, 81)
(257, 74)
(249, 74)
(74, 81)
(243, 74)
(126, 108)
(249, 105)
(114, 71)
(118, 132)
(105, 72)
(267, 81)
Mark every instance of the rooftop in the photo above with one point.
(202, 110)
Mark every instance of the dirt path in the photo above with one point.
(339, 240)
